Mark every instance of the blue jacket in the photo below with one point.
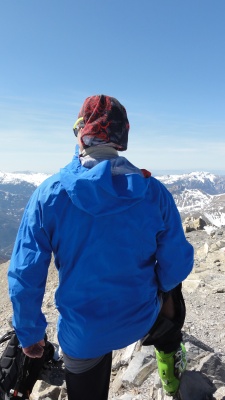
(116, 239)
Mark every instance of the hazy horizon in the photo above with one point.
(154, 172)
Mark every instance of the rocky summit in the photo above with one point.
(134, 371)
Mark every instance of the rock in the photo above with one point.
(191, 284)
(63, 392)
(144, 372)
(220, 244)
(133, 369)
(50, 393)
(126, 397)
(195, 386)
(219, 394)
(190, 224)
(202, 252)
(117, 381)
(213, 367)
(127, 354)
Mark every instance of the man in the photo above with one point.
(121, 255)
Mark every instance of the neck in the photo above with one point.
(99, 152)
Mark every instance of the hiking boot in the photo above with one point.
(170, 368)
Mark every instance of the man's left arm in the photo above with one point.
(175, 255)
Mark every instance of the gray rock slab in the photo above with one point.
(195, 386)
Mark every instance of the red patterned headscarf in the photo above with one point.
(105, 122)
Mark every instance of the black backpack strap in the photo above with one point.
(7, 336)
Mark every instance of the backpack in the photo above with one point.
(18, 372)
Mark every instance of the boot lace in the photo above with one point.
(180, 361)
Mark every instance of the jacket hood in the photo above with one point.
(97, 192)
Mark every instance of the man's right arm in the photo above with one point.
(27, 275)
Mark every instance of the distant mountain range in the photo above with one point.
(196, 194)
(15, 191)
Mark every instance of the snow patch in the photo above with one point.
(209, 229)
(216, 219)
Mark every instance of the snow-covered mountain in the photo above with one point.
(205, 181)
(196, 194)
(15, 178)
(15, 191)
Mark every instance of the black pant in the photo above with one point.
(92, 384)
(165, 335)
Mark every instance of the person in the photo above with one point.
(121, 255)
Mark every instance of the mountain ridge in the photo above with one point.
(197, 194)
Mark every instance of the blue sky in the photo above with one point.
(164, 60)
